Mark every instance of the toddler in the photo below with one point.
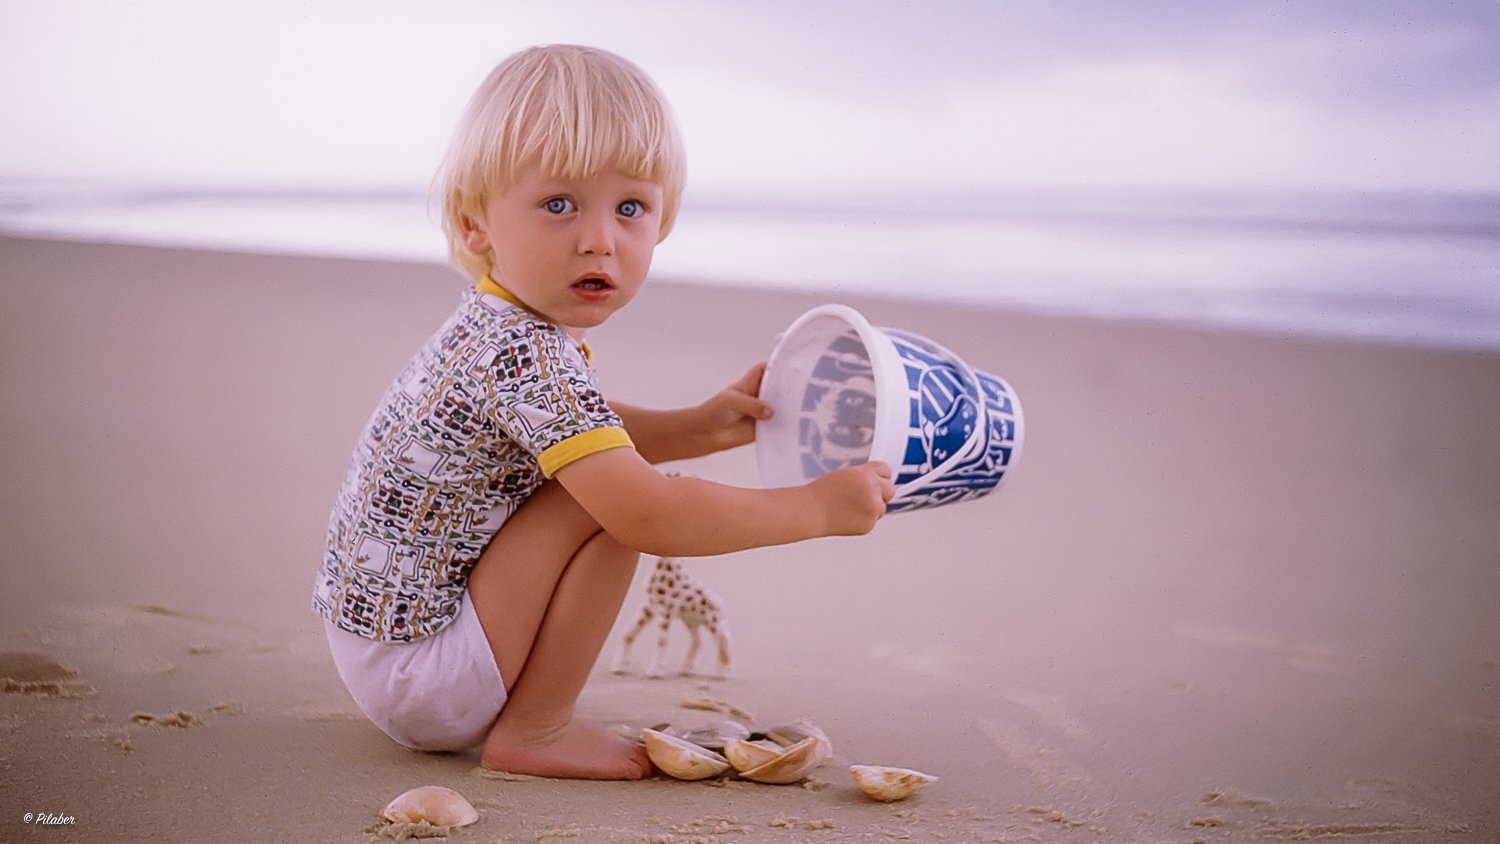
(490, 520)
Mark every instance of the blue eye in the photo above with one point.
(559, 205)
(631, 208)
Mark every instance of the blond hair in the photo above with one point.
(571, 110)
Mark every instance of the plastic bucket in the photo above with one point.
(846, 392)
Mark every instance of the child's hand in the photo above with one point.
(854, 499)
(728, 418)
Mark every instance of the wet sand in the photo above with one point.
(1240, 587)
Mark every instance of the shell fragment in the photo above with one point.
(681, 758)
(887, 784)
(433, 804)
(744, 755)
(787, 756)
(794, 763)
(714, 734)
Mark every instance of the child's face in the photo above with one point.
(573, 250)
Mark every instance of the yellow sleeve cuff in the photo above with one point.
(582, 445)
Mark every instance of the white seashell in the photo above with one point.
(681, 758)
(434, 804)
(714, 734)
(744, 755)
(888, 784)
(794, 763)
(789, 734)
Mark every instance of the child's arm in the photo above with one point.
(688, 517)
(724, 421)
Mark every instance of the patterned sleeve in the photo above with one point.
(544, 395)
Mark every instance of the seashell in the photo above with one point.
(888, 784)
(789, 734)
(681, 758)
(713, 735)
(434, 804)
(744, 755)
(794, 763)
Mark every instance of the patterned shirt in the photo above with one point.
(497, 401)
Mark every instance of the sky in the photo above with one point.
(775, 97)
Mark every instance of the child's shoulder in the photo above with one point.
(491, 313)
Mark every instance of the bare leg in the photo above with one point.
(547, 590)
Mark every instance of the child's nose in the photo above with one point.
(597, 236)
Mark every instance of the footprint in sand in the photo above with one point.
(181, 719)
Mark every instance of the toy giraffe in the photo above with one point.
(673, 593)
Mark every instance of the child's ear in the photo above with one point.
(474, 237)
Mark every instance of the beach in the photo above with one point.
(1241, 586)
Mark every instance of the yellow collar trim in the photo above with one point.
(492, 287)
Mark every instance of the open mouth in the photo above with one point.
(593, 284)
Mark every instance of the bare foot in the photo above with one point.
(580, 750)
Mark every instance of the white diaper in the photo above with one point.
(442, 692)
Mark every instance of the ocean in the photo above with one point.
(1417, 269)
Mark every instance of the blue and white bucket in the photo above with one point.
(846, 392)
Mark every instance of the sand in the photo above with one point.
(1241, 586)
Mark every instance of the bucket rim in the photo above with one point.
(889, 443)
